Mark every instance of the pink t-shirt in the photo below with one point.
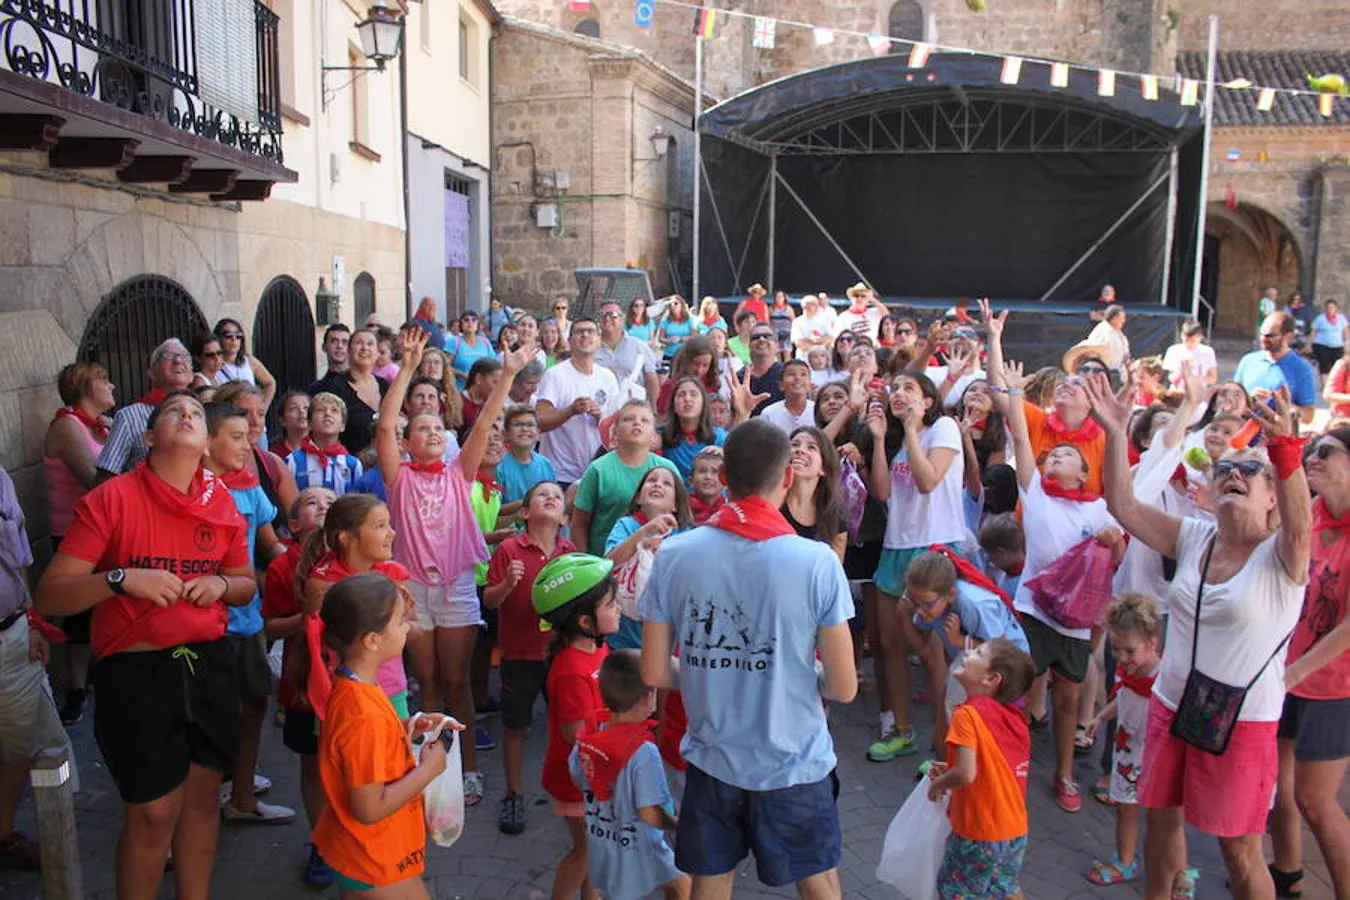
(1324, 607)
(436, 535)
(63, 488)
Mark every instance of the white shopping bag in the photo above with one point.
(630, 578)
(274, 658)
(915, 842)
(443, 799)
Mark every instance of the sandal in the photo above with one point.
(1101, 792)
(1107, 874)
(1285, 881)
(1183, 885)
(1082, 744)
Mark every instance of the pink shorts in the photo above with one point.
(1226, 796)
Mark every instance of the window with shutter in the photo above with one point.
(227, 60)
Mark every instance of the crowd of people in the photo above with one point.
(688, 535)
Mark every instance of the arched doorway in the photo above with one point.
(133, 319)
(283, 334)
(1247, 250)
(363, 295)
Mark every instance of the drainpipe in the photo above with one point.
(407, 194)
(486, 278)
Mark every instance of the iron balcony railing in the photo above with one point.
(179, 61)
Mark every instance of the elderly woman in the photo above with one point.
(74, 438)
(1233, 603)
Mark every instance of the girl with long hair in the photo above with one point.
(237, 365)
(659, 508)
(637, 323)
(294, 423)
(813, 507)
(434, 366)
(688, 427)
(696, 360)
(709, 316)
(676, 328)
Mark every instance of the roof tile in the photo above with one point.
(1270, 68)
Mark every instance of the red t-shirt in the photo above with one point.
(278, 602)
(1324, 607)
(1340, 383)
(518, 628)
(138, 521)
(573, 689)
(757, 306)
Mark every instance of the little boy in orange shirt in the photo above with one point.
(988, 755)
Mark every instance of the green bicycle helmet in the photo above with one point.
(565, 579)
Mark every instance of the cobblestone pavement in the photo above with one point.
(263, 862)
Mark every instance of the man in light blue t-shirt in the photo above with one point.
(750, 603)
(1264, 371)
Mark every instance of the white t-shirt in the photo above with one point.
(572, 445)
(1116, 343)
(806, 327)
(914, 519)
(1241, 623)
(867, 322)
(938, 374)
(780, 415)
(1178, 355)
(1053, 526)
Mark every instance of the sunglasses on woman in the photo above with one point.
(1249, 468)
(1325, 451)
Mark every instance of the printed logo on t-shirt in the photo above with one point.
(204, 536)
(900, 471)
(605, 828)
(179, 567)
(412, 860)
(720, 637)
(602, 398)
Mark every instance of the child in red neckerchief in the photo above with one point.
(1134, 624)
(707, 493)
(284, 620)
(988, 755)
(628, 801)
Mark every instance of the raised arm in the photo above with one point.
(265, 380)
(1147, 523)
(1193, 395)
(993, 326)
(878, 467)
(1010, 375)
(471, 454)
(412, 341)
(1292, 497)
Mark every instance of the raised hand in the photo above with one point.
(993, 324)
(515, 360)
(1280, 420)
(1109, 408)
(876, 421)
(744, 399)
(960, 361)
(1013, 377)
(413, 342)
(857, 390)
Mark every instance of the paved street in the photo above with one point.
(261, 863)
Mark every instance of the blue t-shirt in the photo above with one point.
(372, 482)
(641, 332)
(516, 477)
(626, 857)
(676, 331)
(748, 651)
(983, 616)
(683, 453)
(464, 354)
(629, 635)
(1327, 334)
(1257, 370)
(258, 511)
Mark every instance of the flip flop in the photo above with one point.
(1102, 794)
(1183, 885)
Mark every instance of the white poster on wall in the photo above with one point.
(456, 230)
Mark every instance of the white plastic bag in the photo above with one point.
(630, 578)
(915, 842)
(275, 655)
(443, 799)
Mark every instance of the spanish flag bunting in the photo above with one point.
(1148, 86)
(918, 55)
(1059, 74)
(1106, 83)
(1012, 69)
(705, 22)
(879, 44)
(1262, 156)
(1324, 104)
(1190, 91)
(1266, 101)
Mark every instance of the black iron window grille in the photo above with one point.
(283, 336)
(142, 56)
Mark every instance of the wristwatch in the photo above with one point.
(115, 579)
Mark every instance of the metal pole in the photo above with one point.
(773, 216)
(1171, 227)
(1204, 170)
(823, 230)
(1103, 239)
(698, 161)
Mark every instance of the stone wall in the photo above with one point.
(568, 104)
(66, 242)
(1266, 25)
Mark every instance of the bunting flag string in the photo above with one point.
(1326, 87)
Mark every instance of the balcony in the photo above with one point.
(184, 93)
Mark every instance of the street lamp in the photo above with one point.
(381, 36)
(660, 145)
(326, 302)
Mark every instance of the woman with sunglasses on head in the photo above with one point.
(1235, 599)
(1314, 734)
(237, 365)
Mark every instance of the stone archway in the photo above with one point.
(1252, 249)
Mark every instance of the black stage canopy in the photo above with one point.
(944, 182)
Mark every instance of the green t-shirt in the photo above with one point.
(738, 347)
(485, 511)
(607, 487)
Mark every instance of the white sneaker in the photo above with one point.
(263, 814)
(261, 785)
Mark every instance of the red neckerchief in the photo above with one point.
(489, 482)
(49, 631)
(97, 425)
(155, 397)
(711, 321)
(703, 511)
(752, 518)
(641, 518)
(1088, 431)
(1138, 684)
(1332, 317)
(435, 468)
(967, 572)
(332, 567)
(1008, 727)
(604, 753)
(239, 479)
(323, 453)
(1322, 519)
(1053, 488)
(1132, 454)
(288, 448)
(207, 500)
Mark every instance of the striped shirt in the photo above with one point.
(339, 474)
(126, 441)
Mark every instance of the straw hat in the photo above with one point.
(1074, 356)
(756, 290)
(858, 288)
